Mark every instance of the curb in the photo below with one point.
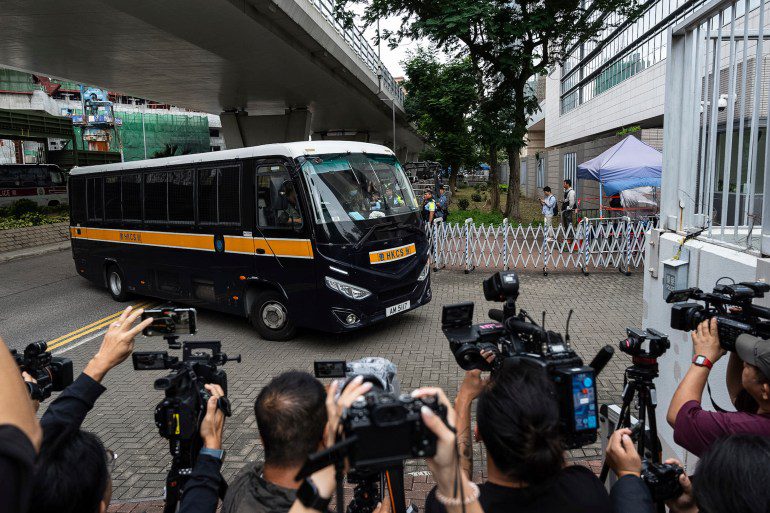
(9, 256)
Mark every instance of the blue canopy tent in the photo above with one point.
(627, 165)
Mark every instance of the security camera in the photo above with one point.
(722, 103)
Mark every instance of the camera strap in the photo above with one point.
(711, 398)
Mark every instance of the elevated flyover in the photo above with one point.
(276, 70)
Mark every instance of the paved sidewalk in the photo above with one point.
(7, 256)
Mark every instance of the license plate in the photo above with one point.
(393, 310)
(392, 254)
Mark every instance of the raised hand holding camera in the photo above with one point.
(117, 345)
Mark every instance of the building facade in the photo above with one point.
(605, 90)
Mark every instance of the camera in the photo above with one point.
(662, 479)
(53, 374)
(514, 338)
(644, 346)
(385, 427)
(751, 319)
(179, 415)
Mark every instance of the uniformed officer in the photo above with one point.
(428, 206)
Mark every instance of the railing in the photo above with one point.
(591, 245)
(715, 133)
(358, 43)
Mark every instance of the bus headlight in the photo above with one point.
(424, 273)
(346, 289)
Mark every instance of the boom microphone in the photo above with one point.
(602, 358)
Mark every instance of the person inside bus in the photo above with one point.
(393, 200)
(376, 201)
(290, 214)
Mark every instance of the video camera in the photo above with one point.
(52, 373)
(751, 319)
(379, 431)
(516, 338)
(644, 346)
(179, 415)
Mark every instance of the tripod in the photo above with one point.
(639, 382)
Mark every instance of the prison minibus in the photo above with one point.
(321, 234)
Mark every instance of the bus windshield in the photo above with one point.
(357, 187)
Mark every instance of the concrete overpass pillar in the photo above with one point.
(241, 130)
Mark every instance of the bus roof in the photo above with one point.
(291, 150)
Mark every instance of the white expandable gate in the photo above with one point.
(591, 245)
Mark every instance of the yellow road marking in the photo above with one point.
(90, 328)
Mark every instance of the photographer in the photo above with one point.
(696, 429)
(518, 422)
(20, 436)
(456, 491)
(731, 477)
(292, 413)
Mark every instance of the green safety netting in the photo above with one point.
(190, 134)
(17, 82)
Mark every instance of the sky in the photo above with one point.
(391, 58)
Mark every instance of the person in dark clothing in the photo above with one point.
(629, 494)
(518, 423)
(292, 415)
(20, 436)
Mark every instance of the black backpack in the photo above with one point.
(556, 207)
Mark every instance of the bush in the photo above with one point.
(503, 187)
(476, 197)
(482, 187)
(478, 216)
(461, 185)
(21, 207)
(30, 219)
(463, 204)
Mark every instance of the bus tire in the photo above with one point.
(116, 283)
(270, 316)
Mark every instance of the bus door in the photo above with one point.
(284, 253)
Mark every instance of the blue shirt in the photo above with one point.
(550, 202)
(442, 204)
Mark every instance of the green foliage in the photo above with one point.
(478, 216)
(503, 187)
(463, 204)
(628, 130)
(21, 207)
(30, 219)
(439, 97)
(476, 197)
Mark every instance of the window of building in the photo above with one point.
(94, 198)
(569, 162)
(523, 174)
(540, 183)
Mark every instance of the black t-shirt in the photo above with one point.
(575, 490)
(17, 460)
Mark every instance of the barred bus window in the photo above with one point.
(207, 196)
(94, 198)
(131, 190)
(112, 209)
(180, 197)
(229, 196)
(156, 197)
(77, 190)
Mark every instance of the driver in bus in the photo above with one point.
(290, 215)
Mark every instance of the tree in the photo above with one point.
(508, 43)
(439, 99)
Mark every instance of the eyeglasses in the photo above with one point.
(111, 457)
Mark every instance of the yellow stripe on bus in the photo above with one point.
(296, 248)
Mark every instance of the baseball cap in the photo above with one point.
(754, 351)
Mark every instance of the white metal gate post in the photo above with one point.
(505, 244)
(435, 230)
(468, 262)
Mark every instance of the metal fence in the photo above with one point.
(358, 43)
(715, 130)
(593, 244)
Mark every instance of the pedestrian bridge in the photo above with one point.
(277, 70)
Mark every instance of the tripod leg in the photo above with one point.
(643, 413)
(623, 421)
(394, 491)
(655, 445)
(174, 484)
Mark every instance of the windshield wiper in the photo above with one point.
(371, 231)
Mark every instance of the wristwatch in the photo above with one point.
(702, 361)
(309, 497)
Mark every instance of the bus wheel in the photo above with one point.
(116, 284)
(270, 317)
